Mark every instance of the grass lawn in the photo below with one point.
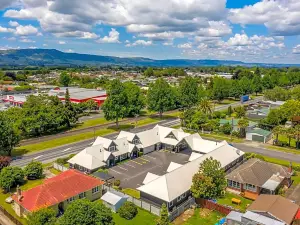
(296, 178)
(142, 218)
(92, 122)
(279, 161)
(54, 171)
(132, 192)
(227, 201)
(8, 207)
(204, 217)
(222, 137)
(283, 149)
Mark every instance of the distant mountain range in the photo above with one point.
(52, 57)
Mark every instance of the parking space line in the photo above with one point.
(149, 156)
(115, 171)
(141, 161)
(122, 168)
(136, 162)
(144, 159)
(127, 164)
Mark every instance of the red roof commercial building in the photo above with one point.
(58, 192)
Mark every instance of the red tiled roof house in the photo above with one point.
(57, 193)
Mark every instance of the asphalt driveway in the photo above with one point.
(132, 173)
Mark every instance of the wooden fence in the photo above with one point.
(11, 217)
(204, 203)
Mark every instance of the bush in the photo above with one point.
(140, 154)
(226, 128)
(236, 134)
(117, 183)
(128, 210)
(62, 161)
(34, 170)
(4, 161)
(11, 177)
(102, 170)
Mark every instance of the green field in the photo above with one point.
(222, 137)
(142, 218)
(203, 217)
(227, 201)
(132, 192)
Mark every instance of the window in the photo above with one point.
(71, 199)
(183, 196)
(179, 199)
(112, 148)
(170, 203)
(95, 190)
(82, 195)
(250, 187)
(234, 184)
(136, 141)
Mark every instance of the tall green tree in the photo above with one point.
(9, 135)
(164, 216)
(149, 72)
(65, 79)
(84, 212)
(136, 99)
(257, 84)
(11, 177)
(116, 104)
(34, 170)
(245, 85)
(188, 91)
(160, 96)
(69, 110)
(236, 90)
(205, 106)
(45, 216)
(220, 89)
(243, 124)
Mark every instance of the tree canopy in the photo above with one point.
(45, 216)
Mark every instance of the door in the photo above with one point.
(258, 138)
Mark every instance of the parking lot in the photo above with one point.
(132, 173)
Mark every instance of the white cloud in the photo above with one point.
(32, 47)
(11, 39)
(280, 16)
(6, 30)
(26, 40)
(62, 42)
(140, 42)
(13, 23)
(239, 40)
(6, 3)
(70, 51)
(45, 45)
(89, 35)
(296, 49)
(185, 46)
(113, 37)
(26, 30)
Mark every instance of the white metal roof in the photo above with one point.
(173, 166)
(128, 135)
(103, 141)
(235, 216)
(194, 156)
(150, 177)
(112, 198)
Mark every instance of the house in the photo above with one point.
(234, 123)
(114, 200)
(266, 210)
(259, 135)
(256, 177)
(57, 193)
(173, 188)
(106, 152)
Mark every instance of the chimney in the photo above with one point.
(19, 193)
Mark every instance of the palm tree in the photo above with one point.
(277, 131)
(205, 106)
(243, 124)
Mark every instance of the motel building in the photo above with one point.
(77, 95)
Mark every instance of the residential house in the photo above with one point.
(234, 123)
(173, 188)
(256, 177)
(266, 210)
(106, 152)
(57, 193)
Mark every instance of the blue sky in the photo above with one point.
(246, 30)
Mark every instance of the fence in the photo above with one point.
(59, 167)
(138, 202)
(181, 208)
(213, 206)
(11, 217)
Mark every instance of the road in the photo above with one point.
(51, 154)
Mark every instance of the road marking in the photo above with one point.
(122, 168)
(145, 159)
(136, 162)
(127, 164)
(115, 171)
(149, 156)
(38, 157)
(66, 149)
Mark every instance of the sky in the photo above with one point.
(247, 30)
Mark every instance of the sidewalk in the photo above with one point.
(5, 220)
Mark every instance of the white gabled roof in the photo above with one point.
(173, 166)
(173, 184)
(103, 141)
(112, 198)
(194, 156)
(150, 177)
(129, 136)
(87, 160)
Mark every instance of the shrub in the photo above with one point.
(34, 170)
(226, 128)
(117, 183)
(236, 134)
(128, 210)
(102, 170)
(11, 177)
(4, 161)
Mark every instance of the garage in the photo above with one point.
(259, 135)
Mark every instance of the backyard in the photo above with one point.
(226, 200)
(142, 218)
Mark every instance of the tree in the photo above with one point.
(240, 111)
(236, 90)
(116, 104)
(164, 216)
(136, 99)
(84, 212)
(91, 105)
(160, 96)
(34, 170)
(65, 79)
(128, 210)
(277, 131)
(11, 177)
(210, 181)
(290, 132)
(257, 84)
(297, 135)
(45, 216)
(220, 88)
(243, 124)
(69, 110)
(205, 106)
(149, 72)
(229, 110)
(9, 135)
(226, 128)
(188, 91)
